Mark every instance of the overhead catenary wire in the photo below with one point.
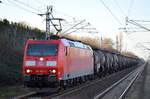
(58, 30)
(77, 29)
(42, 3)
(145, 42)
(24, 6)
(117, 20)
(130, 7)
(7, 3)
(141, 20)
(139, 25)
(117, 4)
(22, 3)
(19, 6)
(39, 2)
(134, 29)
(130, 32)
(64, 14)
(144, 46)
(74, 26)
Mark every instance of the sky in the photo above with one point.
(107, 16)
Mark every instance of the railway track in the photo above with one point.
(119, 89)
(97, 89)
(25, 96)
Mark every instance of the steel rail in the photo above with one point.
(25, 95)
(131, 83)
(114, 85)
(70, 90)
(56, 96)
(78, 88)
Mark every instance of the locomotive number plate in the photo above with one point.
(40, 63)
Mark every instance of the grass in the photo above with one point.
(10, 92)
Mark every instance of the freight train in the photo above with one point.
(62, 62)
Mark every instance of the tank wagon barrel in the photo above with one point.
(107, 62)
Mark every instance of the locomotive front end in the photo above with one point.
(40, 66)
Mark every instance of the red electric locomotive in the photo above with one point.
(53, 63)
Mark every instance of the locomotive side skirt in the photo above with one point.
(76, 74)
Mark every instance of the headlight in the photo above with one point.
(30, 63)
(52, 71)
(51, 63)
(28, 71)
(41, 59)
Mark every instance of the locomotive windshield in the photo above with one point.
(42, 50)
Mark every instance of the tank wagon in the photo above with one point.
(106, 62)
(62, 62)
